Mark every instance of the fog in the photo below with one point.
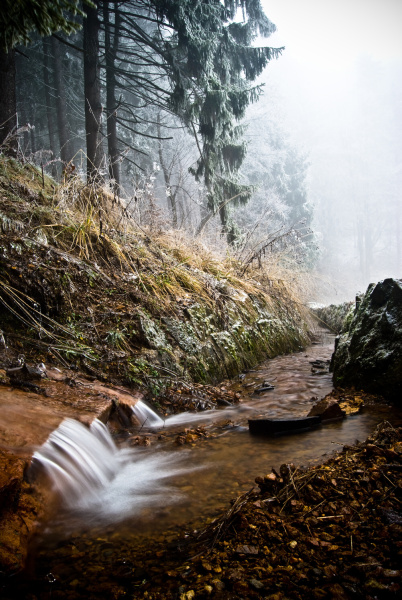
(337, 91)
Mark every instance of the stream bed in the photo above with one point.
(162, 491)
(164, 486)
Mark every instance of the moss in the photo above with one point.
(202, 320)
(336, 317)
(184, 335)
(152, 333)
(196, 320)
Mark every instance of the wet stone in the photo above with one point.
(327, 409)
(256, 584)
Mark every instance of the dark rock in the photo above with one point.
(264, 388)
(328, 409)
(26, 373)
(256, 584)
(245, 549)
(320, 364)
(320, 367)
(368, 353)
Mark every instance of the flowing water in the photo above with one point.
(166, 485)
(114, 500)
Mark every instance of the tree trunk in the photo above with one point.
(226, 229)
(8, 102)
(49, 104)
(171, 197)
(61, 107)
(32, 130)
(111, 103)
(92, 91)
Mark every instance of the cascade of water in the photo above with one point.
(149, 419)
(78, 460)
(146, 416)
(104, 483)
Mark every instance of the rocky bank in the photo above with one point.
(368, 353)
(83, 285)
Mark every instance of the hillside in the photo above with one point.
(83, 285)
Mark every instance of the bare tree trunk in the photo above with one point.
(8, 101)
(24, 140)
(32, 131)
(92, 91)
(111, 103)
(171, 197)
(224, 216)
(61, 107)
(49, 104)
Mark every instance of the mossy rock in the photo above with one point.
(369, 353)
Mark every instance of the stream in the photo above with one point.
(116, 504)
(165, 486)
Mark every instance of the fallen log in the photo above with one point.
(282, 426)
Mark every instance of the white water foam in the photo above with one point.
(94, 477)
(146, 416)
(150, 420)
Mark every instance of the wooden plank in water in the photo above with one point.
(282, 426)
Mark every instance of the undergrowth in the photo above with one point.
(81, 236)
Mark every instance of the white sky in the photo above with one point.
(332, 33)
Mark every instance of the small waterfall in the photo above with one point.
(149, 419)
(78, 460)
(146, 416)
(101, 482)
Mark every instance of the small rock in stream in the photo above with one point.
(327, 409)
(26, 373)
(265, 387)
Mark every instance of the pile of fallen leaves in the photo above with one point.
(352, 401)
(331, 531)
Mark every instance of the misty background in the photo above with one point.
(336, 92)
(318, 192)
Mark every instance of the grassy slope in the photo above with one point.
(81, 283)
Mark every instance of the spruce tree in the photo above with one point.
(213, 66)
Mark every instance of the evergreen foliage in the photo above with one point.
(159, 65)
(213, 66)
(19, 19)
